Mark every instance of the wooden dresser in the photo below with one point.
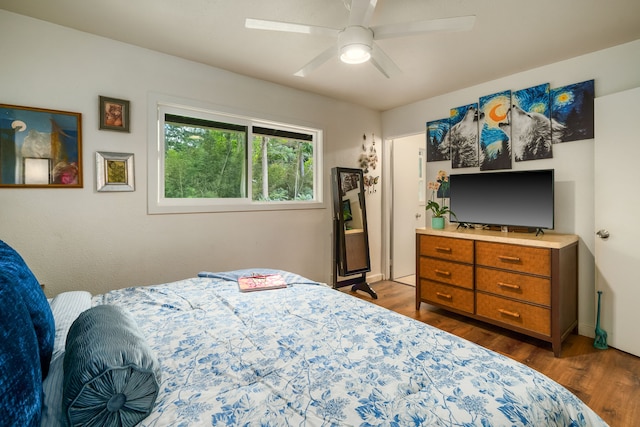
(519, 281)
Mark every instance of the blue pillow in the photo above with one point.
(15, 274)
(20, 372)
(111, 376)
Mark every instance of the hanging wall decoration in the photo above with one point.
(495, 144)
(521, 125)
(114, 172)
(463, 136)
(438, 140)
(572, 108)
(368, 163)
(114, 114)
(40, 148)
(531, 123)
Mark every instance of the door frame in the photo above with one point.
(616, 135)
(387, 200)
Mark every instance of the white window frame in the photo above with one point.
(159, 105)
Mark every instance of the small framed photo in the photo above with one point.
(114, 172)
(114, 114)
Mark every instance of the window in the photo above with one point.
(203, 158)
(282, 165)
(206, 161)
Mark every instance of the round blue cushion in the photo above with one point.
(111, 376)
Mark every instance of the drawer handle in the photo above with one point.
(509, 258)
(442, 272)
(441, 249)
(447, 296)
(509, 313)
(508, 285)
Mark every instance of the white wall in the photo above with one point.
(614, 70)
(81, 239)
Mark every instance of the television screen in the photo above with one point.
(514, 198)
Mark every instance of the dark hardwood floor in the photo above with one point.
(606, 380)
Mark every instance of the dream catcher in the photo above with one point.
(368, 163)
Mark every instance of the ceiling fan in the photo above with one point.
(356, 42)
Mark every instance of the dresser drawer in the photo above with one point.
(523, 287)
(450, 296)
(526, 259)
(447, 248)
(448, 272)
(526, 316)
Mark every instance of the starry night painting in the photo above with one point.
(530, 120)
(572, 109)
(495, 144)
(438, 140)
(463, 136)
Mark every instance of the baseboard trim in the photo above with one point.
(374, 278)
(586, 330)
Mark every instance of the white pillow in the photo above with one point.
(52, 389)
(66, 308)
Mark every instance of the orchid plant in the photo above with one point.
(439, 188)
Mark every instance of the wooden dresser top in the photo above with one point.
(547, 240)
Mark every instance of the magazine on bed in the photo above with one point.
(261, 282)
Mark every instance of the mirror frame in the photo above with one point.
(338, 185)
(55, 163)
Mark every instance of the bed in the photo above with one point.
(304, 355)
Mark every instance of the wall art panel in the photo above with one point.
(463, 136)
(572, 109)
(530, 120)
(438, 140)
(495, 143)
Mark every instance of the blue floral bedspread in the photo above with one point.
(308, 355)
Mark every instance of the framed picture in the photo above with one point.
(40, 148)
(114, 114)
(114, 172)
(350, 182)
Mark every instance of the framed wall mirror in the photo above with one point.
(351, 248)
(40, 148)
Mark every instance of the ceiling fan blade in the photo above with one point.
(361, 12)
(289, 27)
(317, 61)
(460, 23)
(383, 63)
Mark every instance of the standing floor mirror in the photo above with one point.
(351, 246)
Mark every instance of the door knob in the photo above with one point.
(418, 215)
(603, 234)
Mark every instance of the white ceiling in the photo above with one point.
(509, 36)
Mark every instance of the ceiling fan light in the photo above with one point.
(355, 53)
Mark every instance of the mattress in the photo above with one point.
(308, 355)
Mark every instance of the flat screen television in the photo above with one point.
(513, 198)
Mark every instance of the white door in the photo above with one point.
(409, 188)
(617, 205)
